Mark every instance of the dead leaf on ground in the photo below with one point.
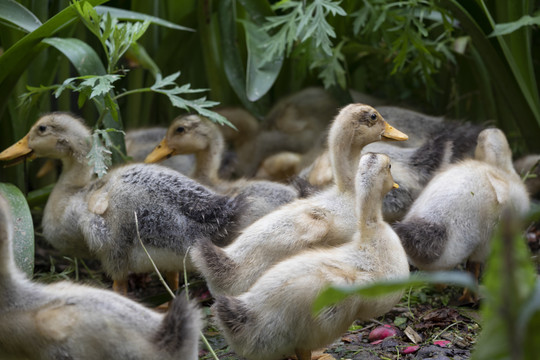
(413, 335)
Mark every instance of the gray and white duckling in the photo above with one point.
(70, 321)
(453, 218)
(274, 319)
(326, 218)
(141, 142)
(193, 134)
(86, 217)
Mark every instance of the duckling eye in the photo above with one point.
(180, 129)
(42, 128)
(389, 166)
(373, 116)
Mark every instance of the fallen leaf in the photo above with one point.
(351, 338)
(413, 335)
(399, 320)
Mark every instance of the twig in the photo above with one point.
(203, 338)
(446, 328)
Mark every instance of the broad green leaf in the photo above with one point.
(138, 53)
(335, 294)
(23, 234)
(39, 197)
(260, 75)
(232, 61)
(16, 59)
(13, 13)
(135, 16)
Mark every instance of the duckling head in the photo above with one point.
(374, 174)
(186, 135)
(492, 147)
(56, 135)
(364, 125)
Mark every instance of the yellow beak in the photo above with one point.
(395, 186)
(17, 151)
(160, 152)
(393, 134)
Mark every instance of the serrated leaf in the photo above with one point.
(135, 16)
(99, 157)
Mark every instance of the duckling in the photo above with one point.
(86, 217)
(293, 124)
(326, 218)
(412, 167)
(453, 218)
(273, 319)
(141, 142)
(199, 135)
(70, 321)
(280, 167)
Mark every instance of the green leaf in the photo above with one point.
(509, 280)
(16, 59)
(99, 157)
(135, 16)
(335, 294)
(13, 13)
(260, 75)
(510, 27)
(23, 235)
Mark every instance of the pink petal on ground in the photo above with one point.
(376, 342)
(441, 343)
(410, 349)
(382, 332)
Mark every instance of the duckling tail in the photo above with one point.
(231, 313)
(179, 332)
(422, 240)
(219, 270)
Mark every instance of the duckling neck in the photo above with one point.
(344, 164)
(76, 173)
(208, 161)
(344, 152)
(370, 211)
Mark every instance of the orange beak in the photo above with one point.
(160, 152)
(391, 133)
(18, 152)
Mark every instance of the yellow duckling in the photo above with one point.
(71, 321)
(324, 219)
(273, 319)
(88, 217)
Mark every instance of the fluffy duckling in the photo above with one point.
(200, 136)
(412, 167)
(323, 219)
(87, 217)
(273, 319)
(70, 321)
(453, 218)
(141, 142)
